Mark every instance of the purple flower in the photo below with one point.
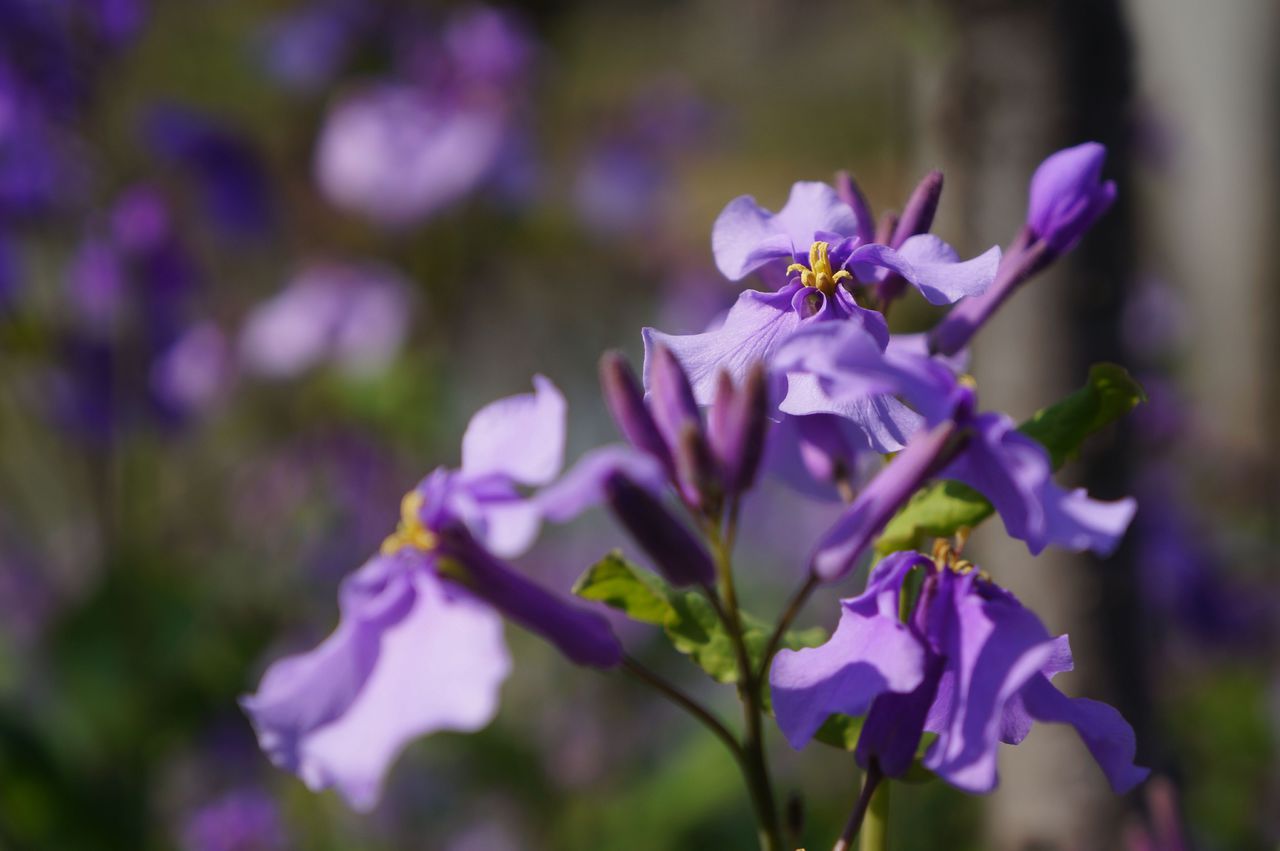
(969, 664)
(306, 49)
(356, 315)
(397, 153)
(195, 371)
(419, 646)
(244, 820)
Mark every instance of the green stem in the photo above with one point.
(755, 764)
(875, 829)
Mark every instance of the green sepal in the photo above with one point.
(944, 508)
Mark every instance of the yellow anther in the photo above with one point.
(409, 532)
(818, 273)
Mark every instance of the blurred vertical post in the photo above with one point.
(1016, 81)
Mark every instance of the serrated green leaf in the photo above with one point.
(632, 590)
(943, 508)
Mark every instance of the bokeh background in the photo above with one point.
(260, 260)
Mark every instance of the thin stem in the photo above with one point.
(688, 704)
(864, 809)
(875, 828)
(755, 763)
(798, 599)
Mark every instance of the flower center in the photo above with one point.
(946, 555)
(818, 273)
(409, 531)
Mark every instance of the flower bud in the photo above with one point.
(580, 634)
(1067, 195)
(736, 427)
(625, 400)
(676, 553)
(851, 194)
(671, 400)
(917, 217)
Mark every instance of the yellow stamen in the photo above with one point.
(409, 532)
(818, 273)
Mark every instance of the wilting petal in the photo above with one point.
(756, 324)
(932, 267)
(583, 486)
(871, 652)
(409, 657)
(520, 436)
(993, 648)
(1013, 472)
(1103, 730)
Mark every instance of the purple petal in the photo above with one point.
(583, 486)
(993, 648)
(746, 236)
(743, 239)
(871, 652)
(1013, 472)
(520, 436)
(1103, 730)
(932, 267)
(408, 658)
(756, 324)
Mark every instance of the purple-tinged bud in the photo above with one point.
(884, 230)
(840, 548)
(580, 634)
(849, 192)
(736, 427)
(625, 400)
(697, 472)
(671, 398)
(1067, 195)
(918, 215)
(676, 553)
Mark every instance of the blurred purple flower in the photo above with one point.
(419, 647)
(488, 46)
(970, 664)
(243, 820)
(1155, 321)
(228, 172)
(195, 371)
(307, 48)
(397, 154)
(355, 315)
(619, 187)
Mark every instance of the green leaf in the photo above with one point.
(630, 589)
(840, 731)
(687, 617)
(943, 508)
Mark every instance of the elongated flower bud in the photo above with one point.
(671, 401)
(697, 473)
(918, 215)
(850, 193)
(736, 427)
(840, 548)
(676, 553)
(580, 634)
(625, 400)
(1068, 195)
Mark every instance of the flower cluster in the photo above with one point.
(938, 662)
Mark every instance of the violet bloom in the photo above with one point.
(305, 49)
(355, 315)
(818, 231)
(969, 664)
(1067, 196)
(195, 371)
(843, 364)
(419, 646)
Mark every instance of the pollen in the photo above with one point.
(409, 532)
(818, 273)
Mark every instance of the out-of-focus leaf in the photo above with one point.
(621, 585)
